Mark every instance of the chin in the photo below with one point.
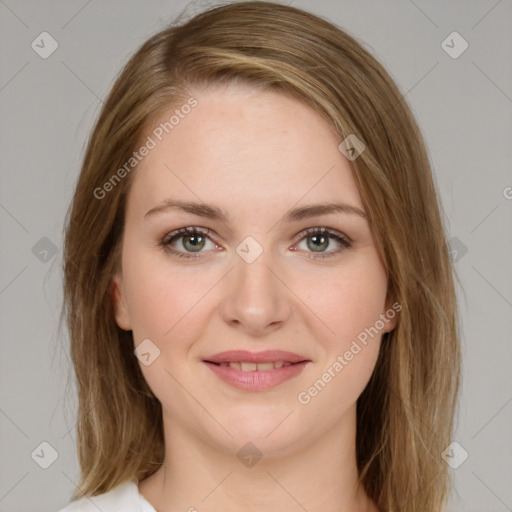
(268, 433)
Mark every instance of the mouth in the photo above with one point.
(276, 357)
(256, 371)
(247, 366)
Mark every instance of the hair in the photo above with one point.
(405, 414)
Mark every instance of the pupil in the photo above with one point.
(322, 245)
(197, 242)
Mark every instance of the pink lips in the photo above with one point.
(255, 357)
(256, 380)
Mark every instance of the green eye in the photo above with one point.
(318, 240)
(194, 239)
(193, 243)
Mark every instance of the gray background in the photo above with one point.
(47, 107)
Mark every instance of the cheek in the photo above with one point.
(165, 306)
(164, 299)
(348, 300)
(147, 295)
(348, 305)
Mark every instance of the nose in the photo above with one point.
(256, 298)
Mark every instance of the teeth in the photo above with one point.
(251, 367)
(262, 366)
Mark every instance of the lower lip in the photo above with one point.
(256, 380)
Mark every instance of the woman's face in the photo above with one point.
(266, 165)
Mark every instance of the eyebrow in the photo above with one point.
(214, 213)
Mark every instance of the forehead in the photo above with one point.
(246, 147)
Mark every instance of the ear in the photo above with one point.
(118, 296)
(391, 312)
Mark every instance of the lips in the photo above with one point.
(268, 356)
(256, 371)
(247, 366)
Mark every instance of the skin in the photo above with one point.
(254, 155)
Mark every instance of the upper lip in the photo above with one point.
(268, 356)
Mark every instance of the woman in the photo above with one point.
(258, 290)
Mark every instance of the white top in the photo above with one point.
(123, 498)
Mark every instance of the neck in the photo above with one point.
(320, 475)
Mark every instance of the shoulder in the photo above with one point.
(120, 498)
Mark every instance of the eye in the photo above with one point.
(318, 239)
(193, 240)
(189, 242)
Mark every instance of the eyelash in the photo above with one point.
(166, 241)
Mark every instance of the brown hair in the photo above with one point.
(405, 414)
